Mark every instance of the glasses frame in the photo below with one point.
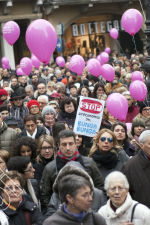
(110, 140)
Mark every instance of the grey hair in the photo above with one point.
(126, 93)
(113, 176)
(30, 87)
(43, 97)
(144, 135)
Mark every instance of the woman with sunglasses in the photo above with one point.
(106, 153)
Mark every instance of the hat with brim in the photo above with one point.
(10, 120)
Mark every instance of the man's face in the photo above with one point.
(41, 89)
(34, 79)
(73, 91)
(42, 103)
(146, 146)
(30, 126)
(67, 146)
(18, 102)
(29, 92)
(129, 99)
(14, 82)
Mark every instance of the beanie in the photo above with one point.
(48, 109)
(3, 92)
(32, 102)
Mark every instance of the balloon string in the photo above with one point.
(118, 43)
(142, 10)
(134, 44)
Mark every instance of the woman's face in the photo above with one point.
(100, 91)
(39, 123)
(146, 112)
(12, 192)
(47, 150)
(29, 171)
(2, 166)
(83, 199)
(105, 142)
(84, 92)
(119, 132)
(78, 140)
(69, 108)
(25, 151)
(138, 130)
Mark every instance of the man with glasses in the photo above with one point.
(121, 209)
(67, 152)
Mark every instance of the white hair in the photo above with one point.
(113, 176)
(30, 87)
(144, 135)
(126, 93)
(43, 97)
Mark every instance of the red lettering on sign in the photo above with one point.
(91, 106)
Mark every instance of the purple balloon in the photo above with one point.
(132, 21)
(5, 66)
(114, 33)
(11, 32)
(108, 72)
(35, 61)
(94, 67)
(129, 125)
(117, 106)
(26, 65)
(138, 90)
(137, 75)
(5, 60)
(60, 61)
(19, 72)
(104, 57)
(41, 39)
(77, 64)
(107, 50)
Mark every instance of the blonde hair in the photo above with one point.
(4, 155)
(96, 141)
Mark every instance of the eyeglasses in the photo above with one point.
(119, 189)
(29, 170)
(47, 148)
(108, 139)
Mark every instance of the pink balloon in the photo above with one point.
(129, 125)
(41, 39)
(11, 32)
(60, 61)
(117, 106)
(26, 65)
(132, 21)
(114, 33)
(138, 90)
(108, 72)
(77, 64)
(107, 50)
(35, 61)
(94, 67)
(5, 66)
(5, 60)
(104, 57)
(137, 75)
(19, 72)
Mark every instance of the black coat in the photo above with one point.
(40, 131)
(26, 209)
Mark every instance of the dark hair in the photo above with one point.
(94, 94)
(84, 86)
(67, 100)
(27, 141)
(66, 134)
(39, 117)
(124, 127)
(135, 123)
(57, 127)
(72, 86)
(11, 175)
(18, 163)
(70, 185)
(29, 118)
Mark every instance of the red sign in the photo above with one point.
(91, 106)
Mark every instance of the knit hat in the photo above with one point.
(3, 92)
(48, 109)
(137, 122)
(143, 105)
(32, 102)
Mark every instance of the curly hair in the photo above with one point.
(27, 141)
(94, 94)
(68, 100)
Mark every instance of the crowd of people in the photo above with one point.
(51, 175)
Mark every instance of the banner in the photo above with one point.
(89, 116)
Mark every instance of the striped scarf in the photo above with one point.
(65, 159)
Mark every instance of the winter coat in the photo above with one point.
(69, 118)
(50, 173)
(7, 137)
(62, 218)
(123, 213)
(122, 159)
(40, 131)
(137, 170)
(19, 113)
(26, 209)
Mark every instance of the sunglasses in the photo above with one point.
(108, 139)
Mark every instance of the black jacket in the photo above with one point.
(26, 209)
(40, 131)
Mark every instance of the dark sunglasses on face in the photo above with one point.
(108, 139)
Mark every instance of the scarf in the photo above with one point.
(78, 216)
(107, 159)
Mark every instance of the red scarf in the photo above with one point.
(73, 158)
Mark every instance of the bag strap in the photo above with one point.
(28, 218)
(132, 213)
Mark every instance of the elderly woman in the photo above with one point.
(18, 207)
(76, 193)
(45, 154)
(121, 209)
(49, 115)
(106, 153)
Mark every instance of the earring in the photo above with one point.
(72, 206)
